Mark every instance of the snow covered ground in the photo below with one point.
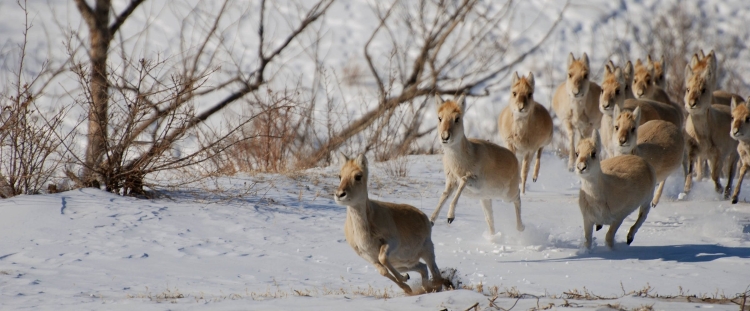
(88, 249)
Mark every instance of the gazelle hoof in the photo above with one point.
(734, 200)
(450, 220)
(520, 228)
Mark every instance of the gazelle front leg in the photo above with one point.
(571, 145)
(536, 165)
(449, 188)
(452, 209)
(743, 170)
(525, 171)
(391, 272)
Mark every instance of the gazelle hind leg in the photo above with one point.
(488, 215)
(642, 214)
(657, 194)
(610, 237)
(517, 203)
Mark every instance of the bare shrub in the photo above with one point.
(28, 149)
(263, 142)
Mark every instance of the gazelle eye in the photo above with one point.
(617, 92)
(358, 177)
(593, 155)
(440, 119)
(339, 177)
(570, 75)
(576, 153)
(747, 119)
(617, 127)
(687, 89)
(648, 81)
(514, 94)
(703, 90)
(632, 130)
(586, 76)
(457, 119)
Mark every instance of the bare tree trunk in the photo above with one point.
(100, 35)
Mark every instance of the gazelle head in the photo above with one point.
(450, 124)
(740, 129)
(625, 134)
(700, 81)
(521, 94)
(587, 155)
(659, 71)
(613, 90)
(643, 79)
(353, 184)
(577, 82)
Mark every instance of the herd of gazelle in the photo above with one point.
(625, 138)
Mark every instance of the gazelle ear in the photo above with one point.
(585, 59)
(461, 101)
(650, 67)
(343, 158)
(514, 79)
(648, 58)
(629, 69)
(530, 78)
(607, 68)
(638, 62)
(701, 54)
(361, 161)
(661, 60)
(616, 112)
(618, 74)
(694, 61)
(439, 100)
(597, 140)
(713, 60)
(637, 116)
(733, 103)
(747, 102)
(571, 59)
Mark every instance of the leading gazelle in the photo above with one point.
(611, 189)
(485, 170)
(393, 237)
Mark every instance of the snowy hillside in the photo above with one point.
(276, 242)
